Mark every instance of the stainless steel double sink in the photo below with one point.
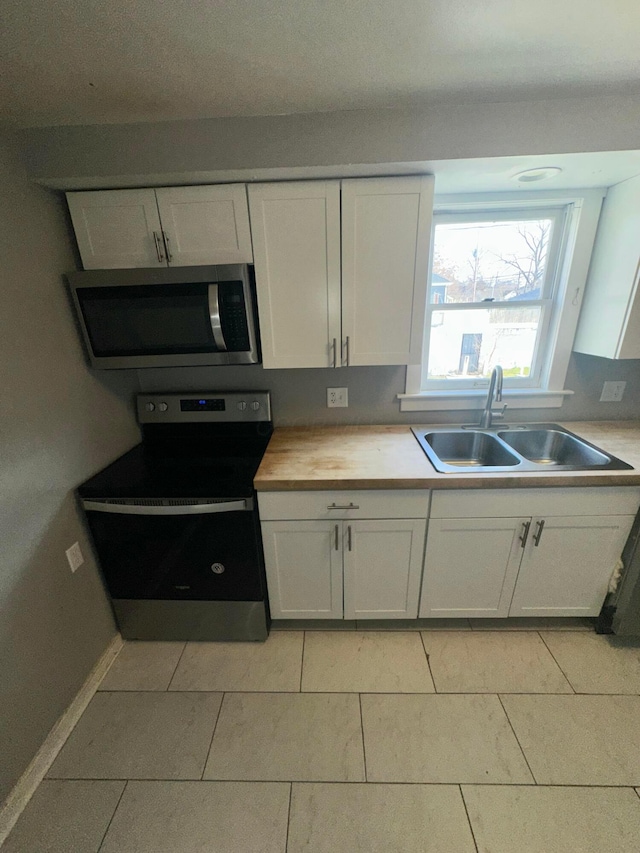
(527, 447)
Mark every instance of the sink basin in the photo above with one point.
(474, 450)
(553, 447)
(517, 448)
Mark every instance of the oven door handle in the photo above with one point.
(214, 317)
(179, 509)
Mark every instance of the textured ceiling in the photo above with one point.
(84, 61)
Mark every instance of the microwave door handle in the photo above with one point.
(180, 509)
(214, 316)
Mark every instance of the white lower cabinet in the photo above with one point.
(344, 566)
(567, 573)
(543, 562)
(304, 569)
(382, 568)
(471, 565)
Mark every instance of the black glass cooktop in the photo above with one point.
(184, 463)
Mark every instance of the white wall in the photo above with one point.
(59, 423)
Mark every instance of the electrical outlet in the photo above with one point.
(612, 392)
(74, 556)
(337, 398)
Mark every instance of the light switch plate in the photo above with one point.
(74, 556)
(612, 392)
(337, 398)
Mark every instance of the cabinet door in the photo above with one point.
(382, 568)
(206, 225)
(304, 569)
(568, 572)
(117, 229)
(386, 235)
(470, 566)
(296, 245)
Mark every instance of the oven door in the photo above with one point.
(183, 551)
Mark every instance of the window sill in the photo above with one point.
(449, 401)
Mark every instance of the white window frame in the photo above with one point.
(575, 244)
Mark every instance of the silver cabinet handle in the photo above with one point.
(344, 506)
(214, 317)
(336, 534)
(538, 534)
(346, 349)
(180, 509)
(525, 533)
(334, 348)
(349, 537)
(158, 242)
(165, 237)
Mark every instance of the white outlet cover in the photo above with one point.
(612, 392)
(74, 556)
(337, 398)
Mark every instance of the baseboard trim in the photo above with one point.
(24, 789)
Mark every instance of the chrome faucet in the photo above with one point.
(494, 392)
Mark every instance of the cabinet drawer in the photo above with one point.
(390, 503)
(510, 503)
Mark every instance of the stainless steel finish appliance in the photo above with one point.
(175, 520)
(624, 605)
(172, 317)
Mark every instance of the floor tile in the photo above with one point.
(361, 661)
(65, 817)
(527, 623)
(553, 820)
(272, 665)
(194, 817)
(579, 740)
(143, 666)
(440, 739)
(290, 737)
(596, 664)
(378, 819)
(493, 662)
(140, 736)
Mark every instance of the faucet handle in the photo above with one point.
(500, 413)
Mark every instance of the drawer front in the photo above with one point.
(508, 503)
(388, 503)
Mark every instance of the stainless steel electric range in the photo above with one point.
(175, 520)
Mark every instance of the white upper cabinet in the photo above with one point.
(205, 225)
(609, 323)
(173, 226)
(296, 242)
(341, 270)
(386, 231)
(117, 229)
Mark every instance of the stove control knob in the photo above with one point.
(255, 405)
(162, 407)
(242, 405)
(150, 407)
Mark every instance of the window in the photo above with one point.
(503, 270)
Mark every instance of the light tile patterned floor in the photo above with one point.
(455, 738)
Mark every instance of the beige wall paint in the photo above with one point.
(59, 423)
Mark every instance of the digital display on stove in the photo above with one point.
(215, 405)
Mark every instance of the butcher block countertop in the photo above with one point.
(389, 457)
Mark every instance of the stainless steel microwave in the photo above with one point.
(167, 317)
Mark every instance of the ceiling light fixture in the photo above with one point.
(543, 173)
